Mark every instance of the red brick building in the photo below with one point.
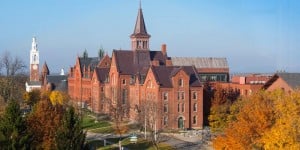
(134, 77)
(285, 81)
(246, 84)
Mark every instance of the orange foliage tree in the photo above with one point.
(265, 120)
(43, 123)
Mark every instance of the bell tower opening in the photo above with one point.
(140, 37)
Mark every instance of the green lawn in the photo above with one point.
(88, 123)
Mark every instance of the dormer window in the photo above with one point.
(165, 96)
(180, 83)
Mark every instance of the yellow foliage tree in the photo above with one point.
(57, 97)
(285, 133)
(266, 120)
(254, 117)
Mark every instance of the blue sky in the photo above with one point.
(254, 35)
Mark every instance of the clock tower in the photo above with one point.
(34, 61)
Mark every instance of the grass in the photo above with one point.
(108, 129)
(88, 123)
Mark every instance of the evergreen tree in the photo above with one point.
(70, 135)
(13, 133)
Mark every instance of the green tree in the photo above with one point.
(70, 135)
(13, 133)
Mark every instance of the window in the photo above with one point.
(180, 95)
(180, 83)
(165, 120)
(182, 107)
(194, 95)
(165, 96)
(165, 108)
(194, 119)
(102, 89)
(123, 81)
(124, 96)
(195, 107)
(178, 107)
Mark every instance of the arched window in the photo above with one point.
(195, 107)
(194, 95)
(165, 108)
(180, 83)
(194, 119)
(165, 120)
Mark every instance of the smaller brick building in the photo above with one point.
(285, 81)
(246, 84)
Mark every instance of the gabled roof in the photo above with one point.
(164, 74)
(59, 82)
(101, 74)
(200, 62)
(136, 62)
(292, 79)
(140, 27)
(89, 61)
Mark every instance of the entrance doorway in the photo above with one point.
(180, 123)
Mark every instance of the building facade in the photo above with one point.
(132, 79)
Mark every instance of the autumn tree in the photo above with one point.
(70, 135)
(285, 132)
(149, 113)
(13, 133)
(32, 97)
(118, 106)
(220, 107)
(43, 123)
(57, 97)
(255, 116)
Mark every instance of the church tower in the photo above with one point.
(140, 37)
(34, 61)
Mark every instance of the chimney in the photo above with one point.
(164, 49)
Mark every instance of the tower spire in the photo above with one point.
(140, 37)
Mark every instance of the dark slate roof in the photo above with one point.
(59, 82)
(191, 71)
(200, 62)
(163, 75)
(89, 61)
(102, 74)
(158, 55)
(292, 79)
(137, 62)
(140, 26)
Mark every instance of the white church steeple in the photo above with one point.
(34, 61)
